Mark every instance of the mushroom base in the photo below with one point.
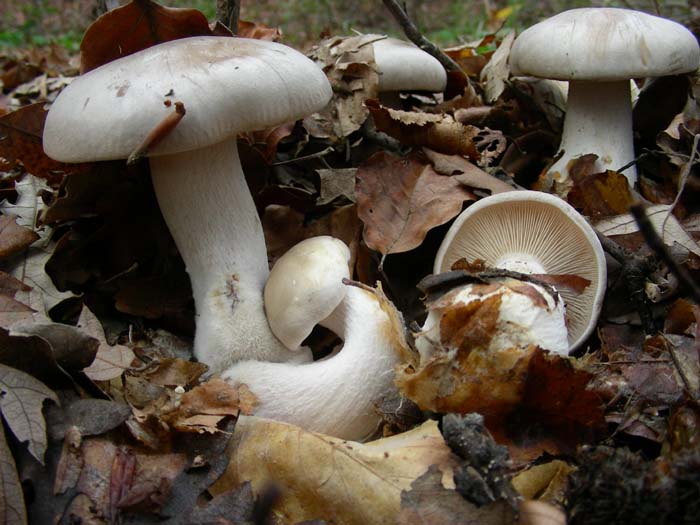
(211, 215)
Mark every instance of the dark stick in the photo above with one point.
(657, 245)
(635, 270)
(414, 35)
(227, 13)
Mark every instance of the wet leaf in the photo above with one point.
(136, 26)
(400, 199)
(21, 404)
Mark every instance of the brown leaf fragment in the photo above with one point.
(258, 31)
(429, 503)
(600, 194)
(466, 172)
(681, 317)
(9, 285)
(12, 312)
(336, 183)
(159, 132)
(20, 144)
(175, 372)
(571, 283)
(13, 237)
(12, 509)
(441, 133)
(233, 507)
(400, 199)
(110, 360)
(70, 465)
(21, 401)
(136, 26)
(89, 417)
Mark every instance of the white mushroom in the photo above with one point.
(227, 85)
(305, 287)
(403, 66)
(598, 50)
(334, 395)
(534, 233)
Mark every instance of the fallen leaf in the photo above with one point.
(110, 360)
(71, 348)
(545, 481)
(599, 195)
(441, 133)
(21, 405)
(89, 417)
(495, 73)
(400, 199)
(321, 477)
(466, 172)
(21, 144)
(258, 31)
(13, 237)
(12, 510)
(336, 183)
(175, 372)
(136, 26)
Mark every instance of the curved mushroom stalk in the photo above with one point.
(224, 251)
(335, 395)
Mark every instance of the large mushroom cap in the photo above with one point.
(604, 44)
(403, 66)
(533, 232)
(227, 85)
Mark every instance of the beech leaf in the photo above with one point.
(21, 403)
(401, 199)
(12, 511)
(110, 361)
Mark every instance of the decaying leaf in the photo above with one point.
(349, 65)
(598, 195)
(322, 477)
(496, 72)
(466, 172)
(438, 132)
(13, 237)
(400, 199)
(247, 29)
(21, 401)
(136, 26)
(12, 510)
(111, 360)
(429, 502)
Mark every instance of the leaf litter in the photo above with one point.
(97, 311)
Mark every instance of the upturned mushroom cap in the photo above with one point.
(305, 286)
(604, 44)
(251, 84)
(536, 233)
(403, 66)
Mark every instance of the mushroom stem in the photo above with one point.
(334, 395)
(598, 120)
(216, 228)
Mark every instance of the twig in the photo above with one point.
(676, 363)
(657, 245)
(683, 178)
(634, 271)
(414, 35)
(227, 13)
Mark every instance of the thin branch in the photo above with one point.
(657, 245)
(414, 35)
(227, 13)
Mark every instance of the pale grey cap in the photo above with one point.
(604, 44)
(403, 66)
(227, 85)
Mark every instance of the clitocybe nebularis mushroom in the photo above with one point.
(335, 395)
(305, 287)
(227, 85)
(598, 50)
(533, 233)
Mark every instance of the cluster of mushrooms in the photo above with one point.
(250, 323)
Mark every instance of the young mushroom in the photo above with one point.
(598, 50)
(335, 395)
(226, 85)
(532, 232)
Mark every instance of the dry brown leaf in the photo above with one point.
(12, 510)
(13, 237)
(599, 195)
(401, 199)
(248, 29)
(175, 372)
(495, 73)
(136, 26)
(545, 481)
(111, 360)
(438, 132)
(21, 401)
(20, 144)
(466, 172)
(322, 477)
